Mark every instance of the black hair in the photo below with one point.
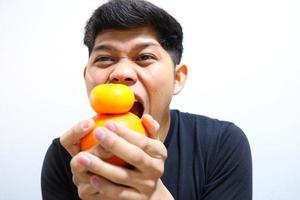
(127, 14)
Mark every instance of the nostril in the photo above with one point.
(115, 80)
(122, 80)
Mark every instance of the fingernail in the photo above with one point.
(85, 160)
(111, 125)
(100, 134)
(95, 182)
(85, 124)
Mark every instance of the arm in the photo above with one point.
(56, 176)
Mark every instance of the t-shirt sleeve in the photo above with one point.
(229, 166)
(56, 177)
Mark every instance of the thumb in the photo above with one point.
(151, 125)
(70, 140)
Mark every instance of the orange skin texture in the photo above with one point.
(111, 98)
(102, 100)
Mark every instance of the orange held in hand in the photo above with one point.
(112, 102)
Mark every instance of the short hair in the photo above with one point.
(127, 14)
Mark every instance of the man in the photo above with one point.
(185, 156)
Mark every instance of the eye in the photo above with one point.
(145, 57)
(104, 59)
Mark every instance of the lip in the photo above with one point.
(139, 99)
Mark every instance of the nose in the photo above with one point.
(123, 73)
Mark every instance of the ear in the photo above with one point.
(181, 73)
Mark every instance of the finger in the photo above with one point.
(114, 191)
(79, 170)
(81, 178)
(119, 175)
(114, 173)
(87, 192)
(71, 139)
(130, 153)
(101, 152)
(151, 125)
(152, 147)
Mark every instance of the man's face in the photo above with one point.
(135, 58)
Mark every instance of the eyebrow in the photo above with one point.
(109, 47)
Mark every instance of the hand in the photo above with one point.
(71, 139)
(97, 179)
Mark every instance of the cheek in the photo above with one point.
(160, 86)
(94, 77)
(163, 80)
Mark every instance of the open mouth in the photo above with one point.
(137, 109)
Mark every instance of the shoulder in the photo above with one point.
(212, 135)
(206, 126)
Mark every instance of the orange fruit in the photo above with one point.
(128, 119)
(112, 102)
(111, 98)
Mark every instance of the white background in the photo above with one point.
(244, 67)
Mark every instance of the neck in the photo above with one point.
(164, 127)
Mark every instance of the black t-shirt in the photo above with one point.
(207, 159)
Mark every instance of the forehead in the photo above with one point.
(127, 37)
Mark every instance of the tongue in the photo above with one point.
(137, 109)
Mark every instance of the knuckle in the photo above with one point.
(75, 180)
(145, 145)
(75, 159)
(158, 170)
(74, 163)
(105, 190)
(164, 153)
(82, 191)
(111, 142)
(75, 129)
(119, 129)
(63, 140)
(138, 159)
(101, 196)
(149, 185)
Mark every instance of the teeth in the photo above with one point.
(136, 101)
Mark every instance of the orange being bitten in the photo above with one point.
(112, 102)
(111, 98)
